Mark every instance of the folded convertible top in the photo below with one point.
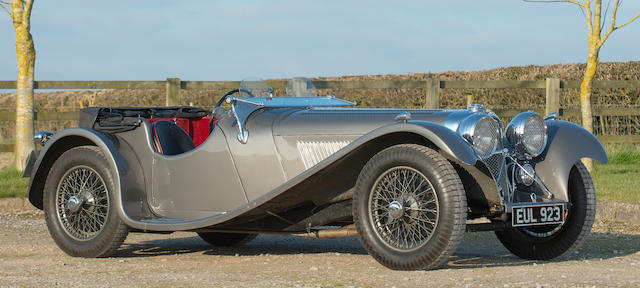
(120, 119)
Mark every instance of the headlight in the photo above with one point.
(482, 132)
(42, 137)
(527, 133)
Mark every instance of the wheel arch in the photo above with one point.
(430, 134)
(346, 169)
(60, 143)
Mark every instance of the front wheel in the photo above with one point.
(558, 241)
(79, 204)
(409, 208)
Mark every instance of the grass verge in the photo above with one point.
(617, 182)
(12, 184)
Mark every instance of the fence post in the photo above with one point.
(173, 92)
(553, 95)
(432, 87)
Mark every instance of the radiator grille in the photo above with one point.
(494, 163)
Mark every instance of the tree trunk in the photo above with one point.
(585, 95)
(26, 55)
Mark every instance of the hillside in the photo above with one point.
(450, 98)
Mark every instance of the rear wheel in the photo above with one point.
(409, 208)
(558, 241)
(78, 204)
(226, 239)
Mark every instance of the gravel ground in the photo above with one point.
(28, 257)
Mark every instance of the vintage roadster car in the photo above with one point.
(405, 180)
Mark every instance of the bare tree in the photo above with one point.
(20, 13)
(596, 22)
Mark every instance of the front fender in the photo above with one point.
(567, 144)
(444, 138)
(482, 190)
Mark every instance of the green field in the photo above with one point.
(11, 184)
(616, 181)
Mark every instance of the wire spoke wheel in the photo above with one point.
(78, 198)
(82, 203)
(403, 208)
(409, 207)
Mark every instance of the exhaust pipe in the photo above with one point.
(346, 231)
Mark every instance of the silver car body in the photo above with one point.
(288, 162)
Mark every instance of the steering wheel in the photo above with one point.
(224, 97)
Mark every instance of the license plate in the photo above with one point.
(537, 214)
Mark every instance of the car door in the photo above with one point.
(198, 183)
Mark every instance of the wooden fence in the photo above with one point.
(432, 87)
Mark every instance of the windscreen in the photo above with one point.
(301, 87)
(255, 87)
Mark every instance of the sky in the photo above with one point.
(232, 40)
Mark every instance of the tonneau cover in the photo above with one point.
(120, 119)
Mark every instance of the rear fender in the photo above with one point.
(62, 142)
(567, 144)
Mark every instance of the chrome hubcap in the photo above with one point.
(82, 203)
(73, 205)
(403, 208)
(395, 210)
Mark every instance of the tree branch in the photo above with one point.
(27, 8)
(597, 19)
(583, 13)
(613, 24)
(583, 6)
(628, 22)
(5, 9)
(606, 11)
(589, 16)
(557, 1)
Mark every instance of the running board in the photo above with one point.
(171, 224)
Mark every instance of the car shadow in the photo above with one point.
(483, 249)
(477, 250)
(263, 244)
